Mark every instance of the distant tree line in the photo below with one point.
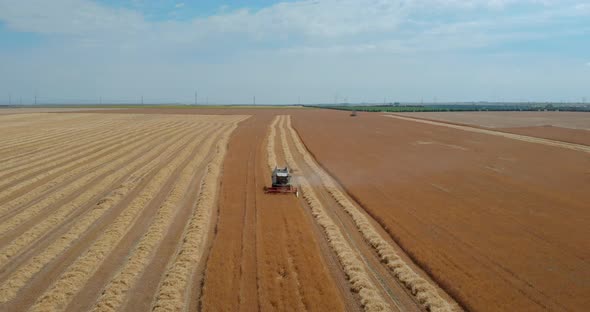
(397, 108)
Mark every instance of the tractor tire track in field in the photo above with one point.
(109, 175)
(524, 138)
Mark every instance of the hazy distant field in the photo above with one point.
(572, 120)
(10, 111)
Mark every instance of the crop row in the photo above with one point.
(173, 289)
(59, 295)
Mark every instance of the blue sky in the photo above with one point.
(316, 50)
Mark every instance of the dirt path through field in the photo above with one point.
(264, 256)
(524, 138)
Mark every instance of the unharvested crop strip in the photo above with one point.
(353, 267)
(130, 151)
(425, 293)
(26, 271)
(58, 296)
(114, 294)
(55, 219)
(524, 138)
(173, 289)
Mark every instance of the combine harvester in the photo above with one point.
(281, 183)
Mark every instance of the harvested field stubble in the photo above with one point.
(114, 294)
(122, 158)
(21, 275)
(105, 162)
(59, 295)
(27, 141)
(173, 291)
(171, 149)
(91, 144)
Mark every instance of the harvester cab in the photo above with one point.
(281, 182)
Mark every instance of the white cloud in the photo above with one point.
(306, 23)
(71, 17)
(307, 43)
